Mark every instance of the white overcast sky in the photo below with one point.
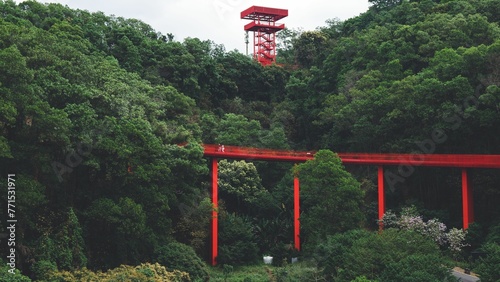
(218, 20)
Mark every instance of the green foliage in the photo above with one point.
(178, 256)
(406, 52)
(487, 267)
(64, 249)
(274, 237)
(421, 267)
(385, 3)
(296, 272)
(226, 270)
(194, 226)
(329, 194)
(362, 279)
(122, 223)
(391, 255)
(42, 269)
(83, 134)
(237, 130)
(331, 253)
(240, 185)
(376, 252)
(474, 237)
(285, 45)
(16, 276)
(309, 48)
(14, 67)
(73, 238)
(237, 242)
(143, 272)
(493, 234)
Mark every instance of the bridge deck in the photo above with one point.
(438, 160)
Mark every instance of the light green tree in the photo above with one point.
(240, 184)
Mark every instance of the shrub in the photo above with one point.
(145, 272)
(178, 256)
(194, 225)
(361, 279)
(344, 257)
(493, 234)
(42, 268)
(417, 268)
(487, 267)
(409, 219)
(330, 254)
(236, 241)
(371, 255)
(5, 276)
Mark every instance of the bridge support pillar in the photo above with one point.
(215, 219)
(467, 200)
(381, 196)
(296, 212)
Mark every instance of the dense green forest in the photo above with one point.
(93, 108)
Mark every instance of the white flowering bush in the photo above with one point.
(390, 219)
(454, 239)
(415, 223)
(437, 231)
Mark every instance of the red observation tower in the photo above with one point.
(264, 26)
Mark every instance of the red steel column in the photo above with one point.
(215, 221)
(381, 195)
(296, 212)
(467, 200)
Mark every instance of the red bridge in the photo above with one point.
(405, 163)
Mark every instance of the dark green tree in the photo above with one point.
(381, 4)
(237, 240)
(487, 266)
(309, 48)
(238, 130)
(177, 256)
(331, 198)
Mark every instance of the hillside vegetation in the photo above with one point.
(93, 108)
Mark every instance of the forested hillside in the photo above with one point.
(93, 108)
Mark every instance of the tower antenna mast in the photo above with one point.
(246, 40)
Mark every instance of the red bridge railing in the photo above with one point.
(236, 152)
(439, 160)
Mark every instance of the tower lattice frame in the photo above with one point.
(264, 27)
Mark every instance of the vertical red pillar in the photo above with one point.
(467, 200)
(381, 195)
(215, 220)
(296, 212)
